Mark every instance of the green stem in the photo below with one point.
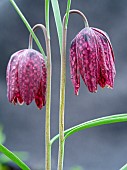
(14, 158)
(48, 95)
(75, 11)
(62, 86)
(92, 123)
(28, 27)
(62, 99)
(48, 103)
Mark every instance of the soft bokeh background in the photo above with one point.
(94, 149)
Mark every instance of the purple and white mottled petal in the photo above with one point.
(29, 74)
(12, 79)
(44, 82)
(107, 37)
(87, 57)
(74, 69)
(106, 62)
(26, 78)
(40, 98)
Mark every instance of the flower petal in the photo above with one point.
(40, 97)
(87, 57)
(29, 74)
(12, 79)
(107, 37)
(106, 69)
(74, 70)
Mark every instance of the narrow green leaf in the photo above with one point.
(47, 4)
(67, 11)
(93, 123)
(13, 157)
(28, 27)
(57, 16)
(124, 167)
(97, 122)
(21, 155)
(2, 135)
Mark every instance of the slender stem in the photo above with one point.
(48, 96)
(62, 99)
(63, 84)
(34, 29)
(81, 14)
(48, 103)
(13, 157)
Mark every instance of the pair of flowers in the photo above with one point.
(91, 57)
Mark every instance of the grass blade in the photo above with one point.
(93, 123)
(57, 16)
(13, 157)
(47, 4)
(67, 12)
(2, 135)
(21, 155)
(124, 167)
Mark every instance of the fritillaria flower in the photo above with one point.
(26, 78)
(92, 58)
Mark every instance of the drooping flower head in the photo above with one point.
(26, 78)
(92, 58)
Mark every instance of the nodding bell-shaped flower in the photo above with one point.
(92, 58)
(26, 78)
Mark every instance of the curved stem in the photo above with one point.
(28, 27)
(62, 88)
(48, 95)
(14, 158)
(75, 11)
(34, 29)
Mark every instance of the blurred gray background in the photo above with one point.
(100, 148)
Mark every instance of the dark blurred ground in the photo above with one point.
(100, 148)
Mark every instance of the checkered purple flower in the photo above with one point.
(26, 78)
(92, 58)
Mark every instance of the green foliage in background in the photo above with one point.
(77, 168)
(3, 158)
